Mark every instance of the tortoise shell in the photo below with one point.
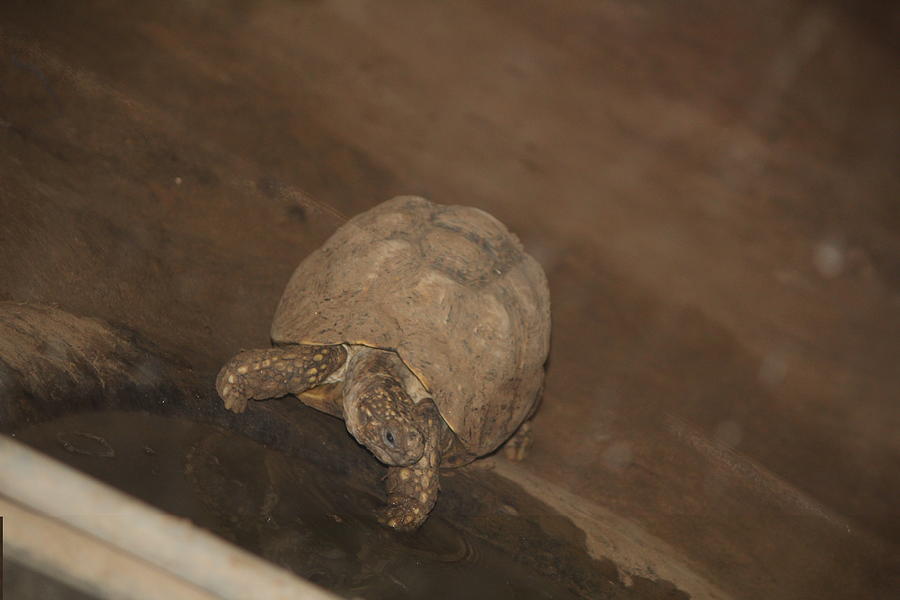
(451, 291)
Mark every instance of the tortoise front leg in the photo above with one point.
(274, 372)
(413, 490)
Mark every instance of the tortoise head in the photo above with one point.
(382, 417)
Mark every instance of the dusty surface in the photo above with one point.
(712, 192)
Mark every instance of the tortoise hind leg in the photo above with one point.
(274, 372)
(516, 448)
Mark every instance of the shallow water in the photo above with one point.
(313, 521)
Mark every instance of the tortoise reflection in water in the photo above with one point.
(426, 328)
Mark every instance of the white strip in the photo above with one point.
(86, 563)
(175, 545)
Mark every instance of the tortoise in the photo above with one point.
(426, 328)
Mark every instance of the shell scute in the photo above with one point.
(450, 290)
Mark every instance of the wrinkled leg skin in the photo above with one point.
(274, 372)
(516, 448)
(413, 490)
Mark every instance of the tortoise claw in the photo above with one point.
(234, 403)
(230, 386)
(516, 448)
(403, 514)
(411, 495)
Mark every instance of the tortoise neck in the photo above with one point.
(367, 368)
(378, 411)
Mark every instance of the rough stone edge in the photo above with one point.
(609, 536)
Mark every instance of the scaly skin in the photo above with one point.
(378, 410)
(274, 372)
(413, 490)
(406, 435)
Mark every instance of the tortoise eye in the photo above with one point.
(389, 438)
